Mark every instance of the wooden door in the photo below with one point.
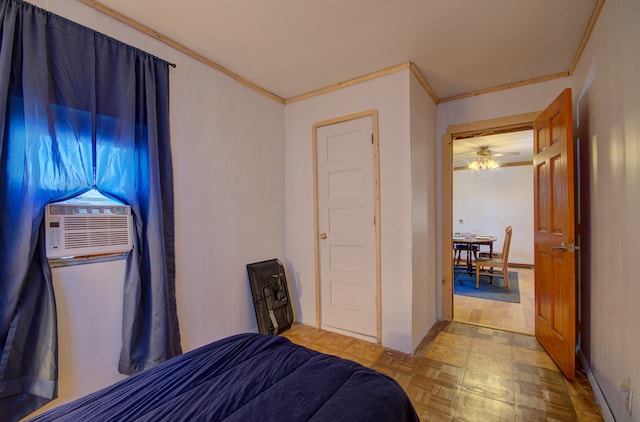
(554, 237)
(346, 226)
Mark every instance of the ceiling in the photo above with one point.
(521, 142)
(293, 47)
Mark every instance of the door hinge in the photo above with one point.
(372, 138)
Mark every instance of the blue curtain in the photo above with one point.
(78, 110)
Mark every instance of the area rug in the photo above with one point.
(464, 284)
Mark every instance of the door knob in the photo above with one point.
(323, 236)
(560, 247)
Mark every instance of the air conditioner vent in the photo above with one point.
(95, 222)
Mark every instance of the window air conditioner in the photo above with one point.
(89, 224)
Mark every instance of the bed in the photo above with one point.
(243, 378)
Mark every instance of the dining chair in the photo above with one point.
(497, 260)
(458, 248)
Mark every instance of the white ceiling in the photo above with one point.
(521, 142)
(292, 47)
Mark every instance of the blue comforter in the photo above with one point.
(247, 377)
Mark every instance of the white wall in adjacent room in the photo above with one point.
(489, 201)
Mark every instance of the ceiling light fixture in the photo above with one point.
(484, 161)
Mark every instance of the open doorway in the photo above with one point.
(555, 235)
(492, 188)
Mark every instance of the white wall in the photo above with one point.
(89, 330)
(497, 104)
(228, 168)
(424, 228)
(228, 150)
(390, 96)
(606, 94)
(490, 201)
(524, 99)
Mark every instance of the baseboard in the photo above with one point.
(597, 392)
(518, 265)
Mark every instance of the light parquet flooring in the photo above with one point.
(516, 317)
(463, 372)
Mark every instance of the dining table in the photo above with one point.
(470, 239)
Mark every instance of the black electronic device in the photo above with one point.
(270, 296)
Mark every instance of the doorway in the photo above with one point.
(469, 132)
(554, 221)
(492, 187)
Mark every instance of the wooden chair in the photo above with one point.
(497, 260)
(458, 248)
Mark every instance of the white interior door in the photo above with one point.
(346, 226)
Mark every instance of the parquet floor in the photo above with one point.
(462, 372)
(517, 317)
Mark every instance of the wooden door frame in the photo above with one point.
(376, 209)
(501, 124)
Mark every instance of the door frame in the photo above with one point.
(376, 209)
(511, 123)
